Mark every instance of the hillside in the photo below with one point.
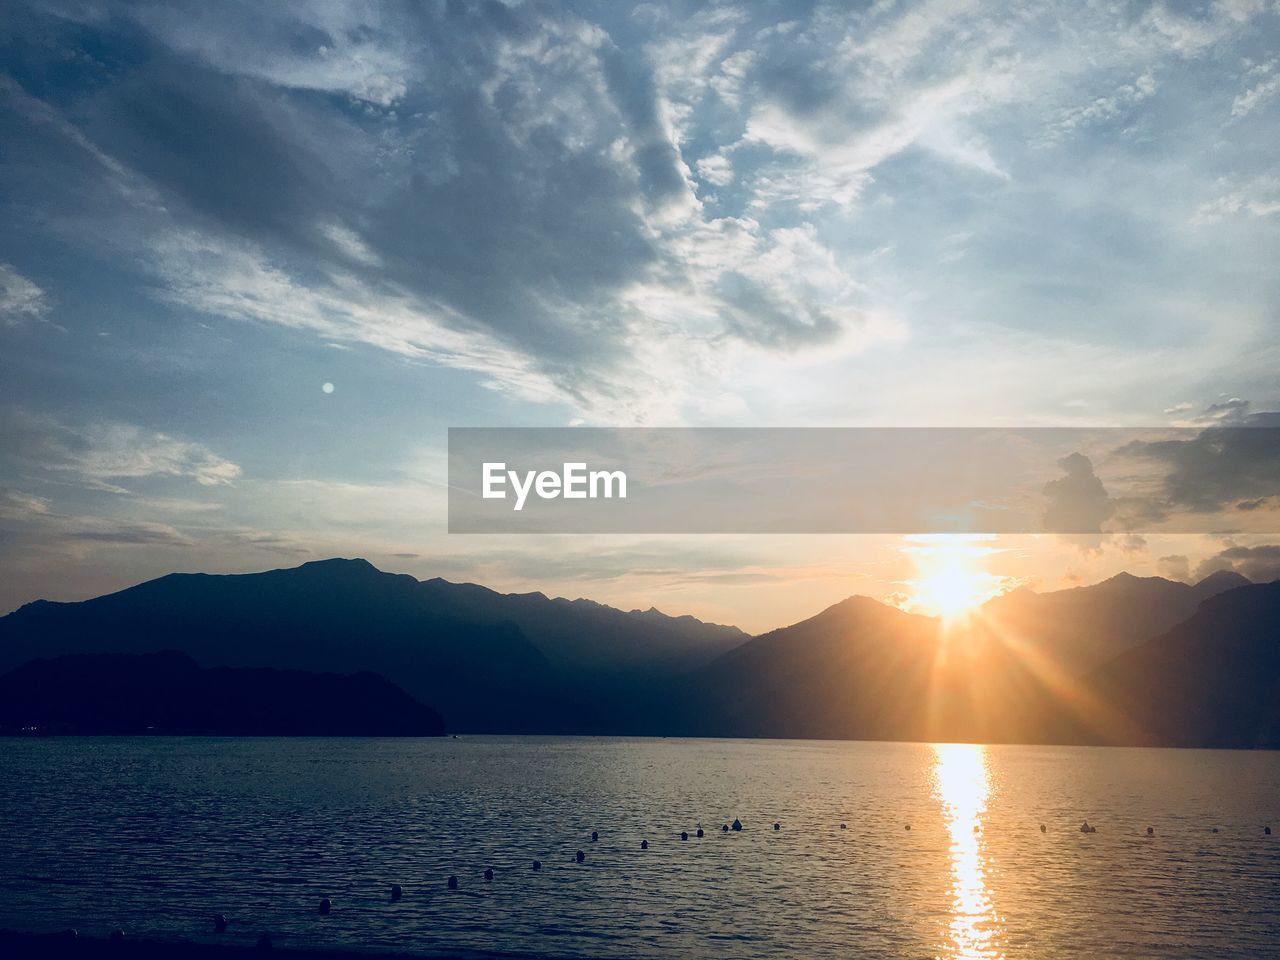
(168, 693)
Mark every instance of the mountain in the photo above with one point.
(1120, 661)
(1080, 628)
(334, 616)
(168, 693)
(1018, 671)
(585, 639)
(857, 670)
(464, 648)
(1213, 681)
(861, 670)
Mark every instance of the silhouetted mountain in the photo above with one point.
(461, 647)
(586, 639)
(863, 670)
(168, 693)
(858, 670)
(1213, 681)
(337, 616)
(1216, 583)
(1029, 667)
(1080, 628)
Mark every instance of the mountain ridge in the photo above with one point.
(1020, 669)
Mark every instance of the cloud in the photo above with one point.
(1077, 502)
(1113, 105)
(1260, 197)
(20, 298)
(640, 218)
(327, 47)
(1261, 564)
(1238, 460)
(1174, 567)
(15, 504)
(1267, 85)
(97, 454)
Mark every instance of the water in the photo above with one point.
(155, 835)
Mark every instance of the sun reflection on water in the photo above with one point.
(962, 785)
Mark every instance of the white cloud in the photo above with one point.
(1115, 104)
(716, 170)
(1259, 198)
(20, 298)
(96, 453)
(1262, 91)
(352, 51)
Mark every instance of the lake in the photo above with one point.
(157, 834)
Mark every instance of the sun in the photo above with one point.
(951, 580)
(952, 590)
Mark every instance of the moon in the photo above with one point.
(327, 388)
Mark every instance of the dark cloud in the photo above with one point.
(1077, 502)
(218, 146)
(1219, 465)
(1261, 564)
(492, 185)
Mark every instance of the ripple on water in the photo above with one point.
(157, 835)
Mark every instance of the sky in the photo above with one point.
(608, 214)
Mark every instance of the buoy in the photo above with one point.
(906, 826)
(116, 935)
(1214, 830)
(594, 836)
(488, 874)
(1043, 829)
(325, 907)
(453, 883)
(699, 832)
(644, 844)
(1084, 827)
(737, 824)
(777, 826)
(844, 826)
(396, 892)
(580, 856)
(725, 828)
(219, 923)
(683, 835)
(264, 942)
(1151, 831)
(537, 864)
(1267, 831)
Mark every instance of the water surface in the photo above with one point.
(157, 834)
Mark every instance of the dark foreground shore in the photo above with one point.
(19, 946)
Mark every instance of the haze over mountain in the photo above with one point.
(1082, 627)
(1213, 681)
(1076, 665)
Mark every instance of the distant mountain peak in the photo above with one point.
(1224, 577)
(340, 563)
